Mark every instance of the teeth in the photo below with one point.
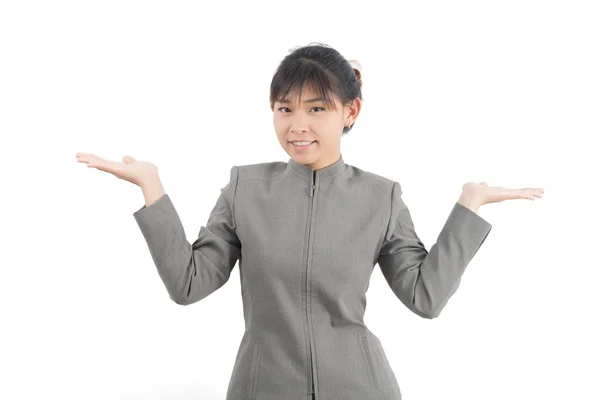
(301, 143)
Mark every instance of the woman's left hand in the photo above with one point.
(492, 194)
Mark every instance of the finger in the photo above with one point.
(82, 157)
(91, 157)
(103, 166)
(523, 194)
(526, 196)
(100, 159)
(535, 192)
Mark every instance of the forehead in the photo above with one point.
(308, 96)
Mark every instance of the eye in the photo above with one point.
(281, 108)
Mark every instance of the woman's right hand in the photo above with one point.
(131, 170)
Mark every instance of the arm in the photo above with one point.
(425, 280)
(191, 272)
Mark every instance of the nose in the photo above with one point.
(295, 129)
(299, 125)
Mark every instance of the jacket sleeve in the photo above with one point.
(425, 280)
(191, 272)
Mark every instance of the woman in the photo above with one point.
(307, 234)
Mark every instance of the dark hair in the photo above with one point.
(322, 68)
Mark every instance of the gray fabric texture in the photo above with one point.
(306, 243)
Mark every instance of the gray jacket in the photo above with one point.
(307, 242)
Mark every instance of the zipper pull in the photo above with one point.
(312, 192)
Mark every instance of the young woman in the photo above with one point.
(307, 234)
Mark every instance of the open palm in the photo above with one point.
(493, 194)
(130, 169)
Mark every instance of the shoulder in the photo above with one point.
(378, 184)
(265, 170)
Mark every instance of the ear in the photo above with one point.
(354, 110)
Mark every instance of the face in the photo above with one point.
(311, 119)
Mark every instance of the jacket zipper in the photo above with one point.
(312, 195)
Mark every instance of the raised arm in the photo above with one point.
(425, 280)
(191, 272)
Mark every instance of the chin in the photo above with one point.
(304, 158)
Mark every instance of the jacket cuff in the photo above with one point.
(471, 224)
(158, 216)
(158, 205)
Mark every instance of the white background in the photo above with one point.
(503, 92)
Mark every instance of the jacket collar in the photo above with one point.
(305, 172)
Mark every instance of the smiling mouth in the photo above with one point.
(303, 146)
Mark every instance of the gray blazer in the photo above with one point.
(307, 242)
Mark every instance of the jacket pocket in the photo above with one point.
(370, 365)
(252, 373)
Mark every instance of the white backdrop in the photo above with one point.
(503, 92)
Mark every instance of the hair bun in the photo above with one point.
(357, 70)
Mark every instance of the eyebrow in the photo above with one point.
(305, 101)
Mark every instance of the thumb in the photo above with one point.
(128, 159)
